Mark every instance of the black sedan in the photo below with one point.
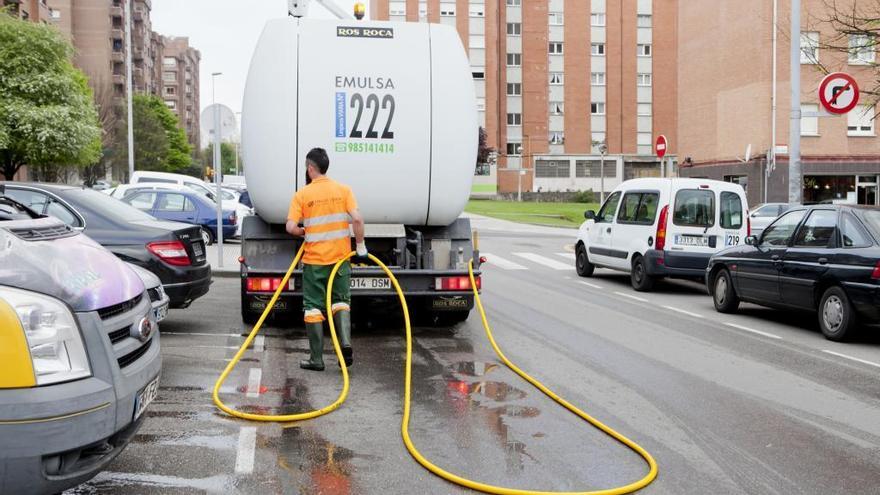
(822, 258)
(173, 251)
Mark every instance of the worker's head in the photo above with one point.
(317, 164)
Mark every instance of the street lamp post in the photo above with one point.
(602, 150)
(237, 140)
(128, 89)
(218, 167)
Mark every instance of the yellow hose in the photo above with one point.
(404, 427)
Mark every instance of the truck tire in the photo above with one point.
(582, 262)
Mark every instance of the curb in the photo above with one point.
(225, 273)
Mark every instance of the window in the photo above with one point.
(477, 11)
(809, 119)
(556, 19)
(557, 108)
(172, 203)
(742, 180)
(594, 168)
(171, 104)
(514, 28)
(643, 79)
(169, 90)
(557, 138)
(818, 230)
(34, 200)
(169, 76)
(597, 139)
(117, 45)
(597, 49)
(597, 108)
(397, 8)
(514, 149)
(169, 62)
(514, 3)
(597, 19)
(55, 14)
(860, 121)
(481, 104)
(810, 47)
(643, 50)
(644, 139)
(638, 208)
(514, 89)
(767, 211)
(597, 78)
(479, 75)
(555, 48)
(694, 208)
(447, 10)
(556, 78)
(155, 179)
(62, 213)
(643, 109)
(780, 231)
(861, 49)
(142, 201)
(552, 168)
(514, 59)
(852, 234)
(606, 214)
(477, 41)
(514, 119)
(643, 20)
(731, 210)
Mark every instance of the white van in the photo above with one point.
(194, 183)
(657, 227)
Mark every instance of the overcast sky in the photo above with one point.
(225, 32)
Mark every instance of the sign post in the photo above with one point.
(660, 148)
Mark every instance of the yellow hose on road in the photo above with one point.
(404, 427)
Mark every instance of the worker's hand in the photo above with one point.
(361, 249)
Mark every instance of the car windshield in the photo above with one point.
(872, 218)
(108, 206)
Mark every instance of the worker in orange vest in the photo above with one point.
(325, 208)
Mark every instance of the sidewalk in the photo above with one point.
(231, 252)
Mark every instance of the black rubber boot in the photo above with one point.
(342, 320)
(315, 332)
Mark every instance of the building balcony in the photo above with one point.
(117, 34)
(117, 57)
(138, 15)
(116, 11)
(118, 79)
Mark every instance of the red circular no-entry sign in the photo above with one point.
(838, 93)
(660, 146)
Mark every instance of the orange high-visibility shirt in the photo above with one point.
(324, 206)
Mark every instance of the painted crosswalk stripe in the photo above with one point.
(589, 284)
(259, 343)
(636, 298)
(244, 459)
(851, 358)
(253, 387)
(568, 256)
(684, 312)
(492, 259)
(536, 258)
(752, 330)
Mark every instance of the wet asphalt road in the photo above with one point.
(751, 403)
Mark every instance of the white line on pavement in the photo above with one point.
(162, 332)
(568, 256)
(492, 259)
(851, 358)
(536, 258)
(244, 459)
(624, 294)
(747, 329)
(259, 342)
(589, 284)
(679, 310)
(253, 387)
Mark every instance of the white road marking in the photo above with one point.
(589, 284)
(244, 459)
(162, 332)
(253, 387)
(536, 258)
(492, 259)
(637, 298)
(851, 358)
(568, 256)
(747, 329)
(259, 343)
(679, 310)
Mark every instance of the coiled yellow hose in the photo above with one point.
(404, 427)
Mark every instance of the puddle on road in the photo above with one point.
(113, 482)
(474, 368)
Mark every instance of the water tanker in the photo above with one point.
(394, 106)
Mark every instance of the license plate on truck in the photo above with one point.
(145, 396)
(692, 240)
(370, 283)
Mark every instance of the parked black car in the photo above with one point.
(173, 251)
(823, 258)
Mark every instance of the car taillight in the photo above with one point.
(748, 224)
(171, 252)
(266, 284)
(233, 219)
(456, 283)
(660, 242)
(876, 273)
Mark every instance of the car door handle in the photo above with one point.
(823, 261)
(608, 230)
(775, 258)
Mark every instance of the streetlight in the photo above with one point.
(237, 139)
(218, 167)
(603, 148)
(128, 89)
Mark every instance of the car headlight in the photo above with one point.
(53, 337)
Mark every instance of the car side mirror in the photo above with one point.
(590, 215)
(752, 240)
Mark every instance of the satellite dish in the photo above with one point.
(749, 152)
(226, 123)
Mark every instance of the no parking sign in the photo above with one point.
(838, 93)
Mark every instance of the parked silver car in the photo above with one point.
(763, 215)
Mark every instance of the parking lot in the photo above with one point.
(756, 402)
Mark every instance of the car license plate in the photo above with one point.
(145, 396)
(692, 240)
(370, 283)
(160, 313)
(197, 249)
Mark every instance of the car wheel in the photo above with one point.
(582, 262)
(207, 238)
(723, 294)
(639, 277)
(836, 316)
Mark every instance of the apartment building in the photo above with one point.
(725, 55)
(180, 84)
(28, 10)
(559, 81)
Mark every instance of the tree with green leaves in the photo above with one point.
(159, 144)
(47, 115)
(227, 157)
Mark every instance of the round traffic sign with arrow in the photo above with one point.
(838, 93)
